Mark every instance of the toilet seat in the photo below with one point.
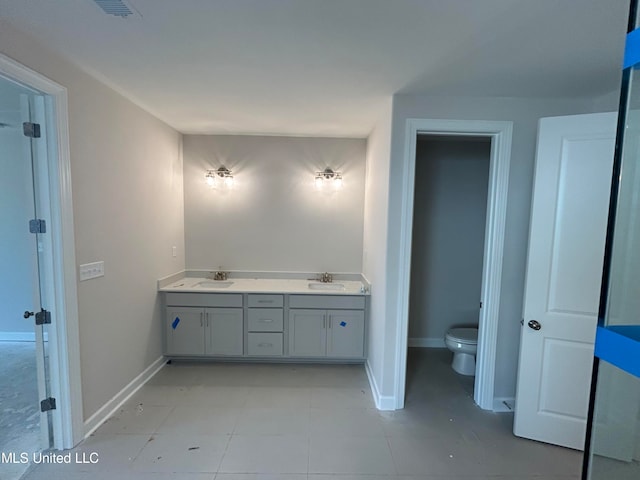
(467, 336)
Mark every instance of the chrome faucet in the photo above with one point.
(326, 277)
(219, 275)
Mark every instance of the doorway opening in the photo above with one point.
(38, 240)
(499, 134)
(449, 219)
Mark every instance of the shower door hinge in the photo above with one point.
(48, 404)
(43, 317)
(31, 130)
(37, 226)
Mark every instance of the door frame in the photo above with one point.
(500, 133)
(64, 361)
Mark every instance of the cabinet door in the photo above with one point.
(345, 333)
(184, 331)
(307, 333)
(223, 331)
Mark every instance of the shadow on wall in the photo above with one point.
(452, 176)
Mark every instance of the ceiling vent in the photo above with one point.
(118, 8)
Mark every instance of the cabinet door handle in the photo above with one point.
(330, 320)
(324, 321)
(206, 316)
(201, 321)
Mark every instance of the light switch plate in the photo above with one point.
(91, 270)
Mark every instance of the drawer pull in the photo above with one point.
(264, 344)
(267, 320)
(265, 301)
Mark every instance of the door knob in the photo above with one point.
(534, 324)
(28, 314)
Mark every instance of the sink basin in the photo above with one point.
(326, 286)
(213, 284)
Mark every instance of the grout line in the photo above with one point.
(309, 450)
(226, 449)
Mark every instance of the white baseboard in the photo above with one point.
(109, 408)
(20, 336)
(504, 404)
(17, 337)
(427, 342)
(382, 402)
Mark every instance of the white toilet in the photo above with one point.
(463, 342)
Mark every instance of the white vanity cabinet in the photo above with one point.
(223, 331)
(184, 327)
(210, 325)
(265, 325)
(320, 332)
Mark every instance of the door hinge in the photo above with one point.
(48, 404)
(43, 317)
(37, 226)
(480, 304)
(31, 130)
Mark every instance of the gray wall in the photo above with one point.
(451, 183)
(126, 170)
(274, 219)
(374, 256)
(17, 255)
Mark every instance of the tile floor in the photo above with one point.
(19, 414)
(308, 422)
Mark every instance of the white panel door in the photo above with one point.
(564, 268)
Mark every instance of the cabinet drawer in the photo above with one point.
(265, 319)
(264, 344)
(204, 299)
(326, 301)
(257, 300)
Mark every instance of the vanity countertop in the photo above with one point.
(266, 285)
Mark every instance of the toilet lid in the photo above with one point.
(463, 335)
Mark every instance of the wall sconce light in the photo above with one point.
(223, 174)
(326, 175)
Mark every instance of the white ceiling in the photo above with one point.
(325, 67)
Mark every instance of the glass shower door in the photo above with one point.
(38, 313)
(612, 450)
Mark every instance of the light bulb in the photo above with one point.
(211, 180)
(319, 182)
(337, 182)
(228, 181)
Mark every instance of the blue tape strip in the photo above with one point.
(175, 323)
(343, 324)
(620, 346)
(632, 49)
